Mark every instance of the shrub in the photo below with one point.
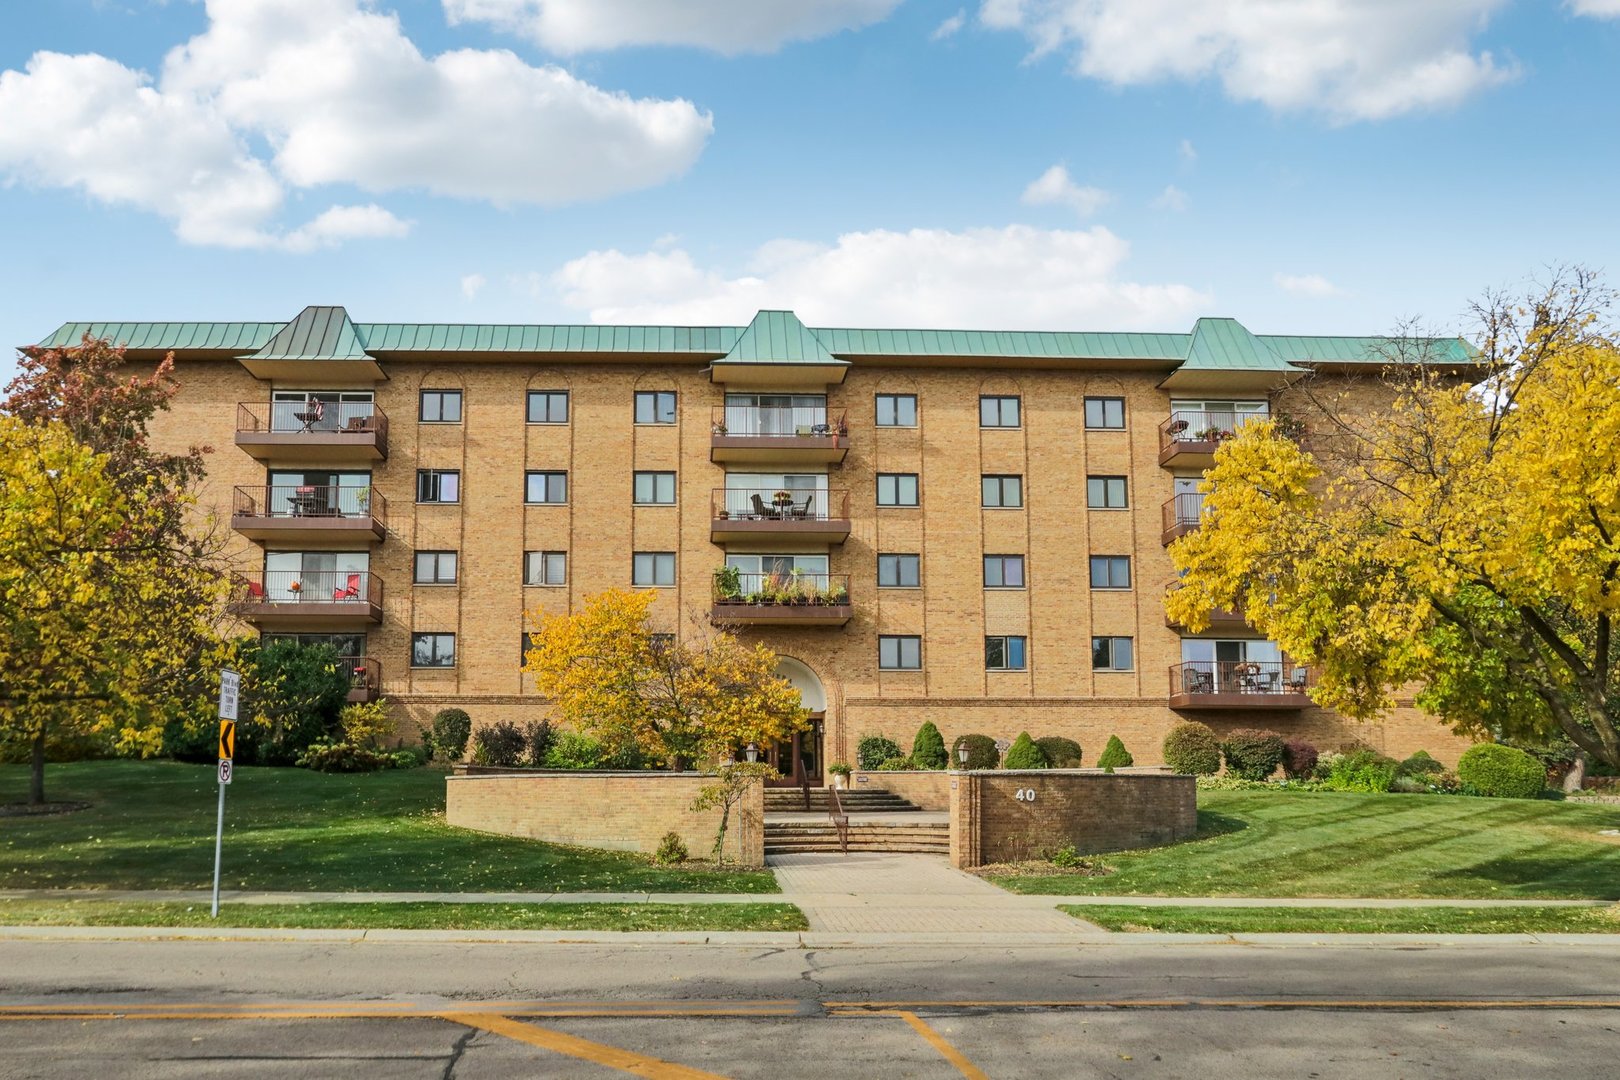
(365, 723)
(1024, 754)
(451, 730)
(982, 752)
(896, 764)
(1501, 772)
(1193, 748)
(628, 757)
(408, 757)
(1062, 753)
(500, 744)
(671, 850)
(1299, 759)
(1420, 765)
(572, 750)
(297, 690)
(1408, 784)
(343, 758)
(928, 748)
(1252, 754)
(874, 750)
(1067, 858)
(538, 736)
(1115, 756)
(1359, 770)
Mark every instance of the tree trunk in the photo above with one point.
(36, 771)
(1575, 779)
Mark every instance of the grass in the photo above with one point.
(415, 916)
(1286, 844)
(150, 825)
(1279, 920)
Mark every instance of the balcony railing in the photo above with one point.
(819, 515)
(365, 677)
(782, 599)
(801, 433)
(1182, 514)
(309, 512)
(304, 430)
(1239, 684)
(1219, 619)
(296, 594)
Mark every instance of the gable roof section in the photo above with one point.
(318, 333)
(1226, 344)
(778, 337)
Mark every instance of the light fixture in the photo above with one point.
(962, 754)
(752, 752)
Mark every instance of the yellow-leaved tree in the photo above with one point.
(92, 633)
(609, 674)
(1464, 536)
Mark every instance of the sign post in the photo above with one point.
(230, 686)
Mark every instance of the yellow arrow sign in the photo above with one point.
(227, 739)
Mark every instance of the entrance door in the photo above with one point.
(798, 759)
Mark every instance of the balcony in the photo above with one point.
(804, 435)
(328, 432)
(310, 514)
(365, 677)
(1239, 684)
(1182, 515)
(770, 514)
(783, 600)
(292, 598)
(1220, 620)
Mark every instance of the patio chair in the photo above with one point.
(358, 425)
(255, 591)
(803, 509)
(313, 413)
(350, 590)
(760, 509)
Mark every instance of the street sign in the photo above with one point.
(224, 770)
(227, 740)
(230, 688)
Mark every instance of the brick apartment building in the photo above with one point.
(967, 527)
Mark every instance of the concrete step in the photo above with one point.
(926, 838)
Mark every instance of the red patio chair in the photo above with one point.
(255, 590)
(351, 591)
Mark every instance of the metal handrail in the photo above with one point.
(1240, 677)
(1184, 509)
(801, 590)
(778, 421)
(362, 671)
(330, 418)
(840, 820)
(763, 504)
(310, 501)
(289, 587)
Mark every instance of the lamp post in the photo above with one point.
(962, 755)
(751, 752)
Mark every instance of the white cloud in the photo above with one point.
(950, 27)
(340, 96)
(1349, 59)
(1013, 277)
(1056, 186)
(1306, 284)
(724, 26)
(472, 285)
(1187, 152)
(1598, 9)
(1171, 198)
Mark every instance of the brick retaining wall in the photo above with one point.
(624, 811)
(928, 789)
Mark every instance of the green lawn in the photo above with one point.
(151, 826)
(1277, 920)
(424, 916)
(1270, 843)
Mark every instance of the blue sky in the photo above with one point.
(1331, 167)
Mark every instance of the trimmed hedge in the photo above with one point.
(1061, 752)
(1252, 754)
(1192, 748)
(1299, 759)
(1419, 764)
(1115, 756)
(982, 752)
(928, 748)
(1501, 772)
(874, 750)
(1024, 754)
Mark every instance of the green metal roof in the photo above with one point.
(778, 337)
(1021, 344)
(1227, 344)
(163, 336)
(452, 337)
(1364, 350)
(318, 333)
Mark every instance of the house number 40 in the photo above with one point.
(1025, 794)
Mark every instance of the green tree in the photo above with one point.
(1024, 754)
(928, 748)
(1115, 756)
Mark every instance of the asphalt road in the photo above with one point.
(462, 1010)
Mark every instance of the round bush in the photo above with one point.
(1192, 748)
(1299, 759)
(1420, 765)
(1062, 753)
(874, 750)
(928, 748)
(1501, 772)
(1024, 754)
(1252, 754)
(451, 730)
(982, 752)
(1115, 756)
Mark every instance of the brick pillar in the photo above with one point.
(964, 820)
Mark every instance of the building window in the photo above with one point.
(655, 406)
(899, 571)
(899, 652)
(545, 568)
(1004, 571)
(653, 569)
(435, 568)
(1105, 413)
(897, 410)
(655, 488)
(1110, 654)
(545, 487)
(526, 644)
(433, 650)
(438, 486)
(440, 407)
(1105, 492)
(548, 406)
(1003, 653)
(897, 489)
(1110, 571)
(1005, 492)
(998, 411)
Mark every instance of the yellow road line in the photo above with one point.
(597, 1053)
(946, 1050)
(890, 1007)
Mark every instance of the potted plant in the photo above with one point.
(728, 583)
(840, 774)
(719, 427)
(295, 587)
(783, 498)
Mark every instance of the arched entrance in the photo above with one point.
(799, 759)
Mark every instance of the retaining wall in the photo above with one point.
(928, 789)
